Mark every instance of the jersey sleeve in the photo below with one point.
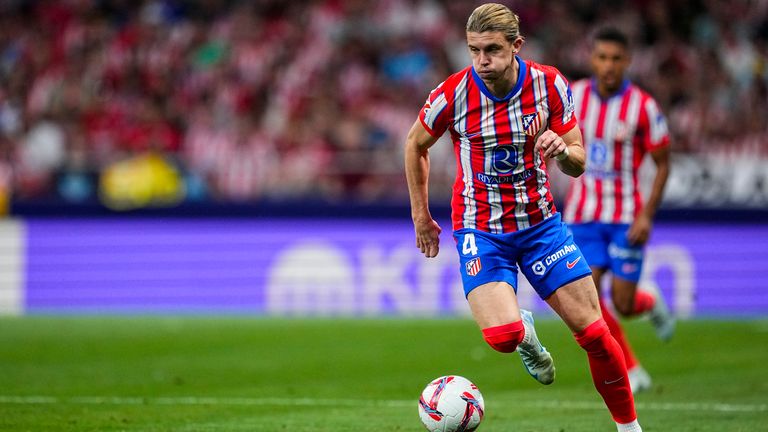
(561, 106)
(656, 133)
(434, 115)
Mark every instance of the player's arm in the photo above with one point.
(417, 146)
(640, 230)
(566, 149)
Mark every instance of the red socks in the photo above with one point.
(609, 372)
(505, 338)
(643, 302)
(618, 334)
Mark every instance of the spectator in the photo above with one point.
(292, 100)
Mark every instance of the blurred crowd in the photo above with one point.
(144, 102)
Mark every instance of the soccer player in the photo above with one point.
(506, 116)
(620, 124)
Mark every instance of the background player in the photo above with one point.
(620, 124)
(505, 116)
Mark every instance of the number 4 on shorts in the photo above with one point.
(469, 247)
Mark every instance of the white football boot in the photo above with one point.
(536, 359)
(663, 321)
(639, 380)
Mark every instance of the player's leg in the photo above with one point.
(628, 299)
(578, 305)
(632, 301)
(507, 329)
(560, 274)
(613, 323)
(489, 277)
(639, 379)
(593, 240)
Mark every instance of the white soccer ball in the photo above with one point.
(451, 404)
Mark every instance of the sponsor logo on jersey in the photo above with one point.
(623, 253)
(572, 264)
(598, 152)
(474, 266)
(540, 267)
(563, 251)
(472, 135)
(505, 159)
(598, 165)
(603, 174)
(491, 179)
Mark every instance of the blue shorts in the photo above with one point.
(606, 246)
(546, 254)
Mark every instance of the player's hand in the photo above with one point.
(550, 143)
(428, 237)
(640, 230)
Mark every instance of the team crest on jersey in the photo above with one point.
(474, 266)
(532, 123)
(629, 268)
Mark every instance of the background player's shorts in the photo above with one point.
(545, 253)
(606, 246)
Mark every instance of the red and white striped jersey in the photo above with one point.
(617, 132)
(501, 184)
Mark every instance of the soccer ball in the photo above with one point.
(451, 404)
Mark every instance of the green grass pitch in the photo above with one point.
(257, 374)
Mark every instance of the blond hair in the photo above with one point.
(494, 17)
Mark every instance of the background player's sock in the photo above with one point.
(618, 334)
(609, 372)
(629, 427)
(644, 302)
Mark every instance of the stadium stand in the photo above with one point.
(236, 101)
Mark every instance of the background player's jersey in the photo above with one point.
(617, 133)
(501, 185)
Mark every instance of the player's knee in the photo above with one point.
(505, 338)
(623, 295)
(593, 337)
(623, 307)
